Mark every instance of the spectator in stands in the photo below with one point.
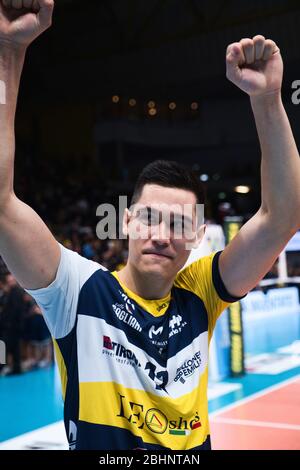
(28, 356)
(113, 257)
(11, 323)
(39, 339)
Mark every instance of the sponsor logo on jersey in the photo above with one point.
(129, 305)
(176, 325)
(119, 352)
(161, 306)
(155, 332)
(155, 419)
(125, 312)
(126, 317)
(188, 368)
(72, 435)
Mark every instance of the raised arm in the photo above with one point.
(255, 66)
(26, 245)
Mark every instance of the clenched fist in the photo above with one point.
(255, 66)
(21, 21)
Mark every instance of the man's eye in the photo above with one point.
(148, 218)
(177, 224)
(181, 225)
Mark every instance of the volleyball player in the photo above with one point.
(132, 346)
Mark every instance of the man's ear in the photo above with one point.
(199, 235)
(125, 222)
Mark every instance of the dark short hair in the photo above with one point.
(169, 174)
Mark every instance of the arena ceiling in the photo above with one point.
(172, 46)
(152, 49)
(155, 49)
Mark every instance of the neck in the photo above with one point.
(149, 286)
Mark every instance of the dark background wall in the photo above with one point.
(165, 51)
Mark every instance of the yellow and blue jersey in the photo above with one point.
(134, 371)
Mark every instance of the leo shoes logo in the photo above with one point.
(155, 420)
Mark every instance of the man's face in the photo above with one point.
(161, 227)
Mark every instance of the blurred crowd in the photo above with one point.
(23, 329)
(67, 202)
(66, 197)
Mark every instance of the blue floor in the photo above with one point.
(29, 401)
(32, 400)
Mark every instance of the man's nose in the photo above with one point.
(160, 233)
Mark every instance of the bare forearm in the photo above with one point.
(280, 168)
(11, 65)
(34, 265)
